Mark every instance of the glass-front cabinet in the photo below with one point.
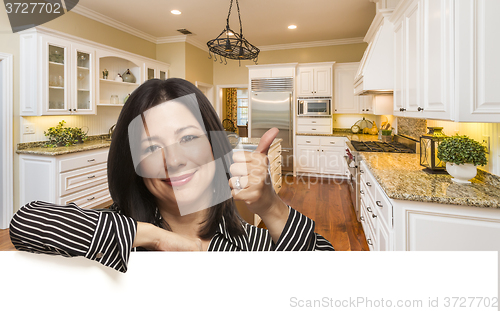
(155, 71)
(55, 84)
(84, 84)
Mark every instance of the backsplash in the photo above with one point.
(412, 127)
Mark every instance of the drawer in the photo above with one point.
(368, 228)
(78, 180)
(276, 174)
(89, 198)
(332, 141)
(274, 153)
(308, 140)
(83, 160)
(384, 206)
(277, 186)
(313, 129)
(369, 181)
(276, 163)
(314, 121)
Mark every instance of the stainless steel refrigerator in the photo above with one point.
(271, 106)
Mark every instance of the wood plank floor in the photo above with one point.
(326, 201)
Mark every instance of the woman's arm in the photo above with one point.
(106, 237)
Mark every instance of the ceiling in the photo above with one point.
(264, 22)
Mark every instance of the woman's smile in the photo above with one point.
(179, 180)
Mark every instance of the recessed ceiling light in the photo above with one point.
(292, 27)
(176, 12)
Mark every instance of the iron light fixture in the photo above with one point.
(232, 45)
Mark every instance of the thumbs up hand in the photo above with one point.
(251, 182)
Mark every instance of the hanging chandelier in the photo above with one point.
(232, 45)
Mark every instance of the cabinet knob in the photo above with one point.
(335, 109)
(362, 110)
(420, 109)
(379, 204)
(367, 109)
(374, 216)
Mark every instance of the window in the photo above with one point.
(242, 111)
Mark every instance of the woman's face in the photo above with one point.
(177, 163)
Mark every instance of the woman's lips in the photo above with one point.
(179, 180)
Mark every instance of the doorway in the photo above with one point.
(6, 149)
(208, 90)
(232, 102)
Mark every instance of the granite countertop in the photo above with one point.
(95, 142)
(402, 178)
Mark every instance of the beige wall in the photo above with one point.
(86, 28)
(175, 55)
(232, 73)
(198, 66)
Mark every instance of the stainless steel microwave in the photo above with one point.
(317, 106)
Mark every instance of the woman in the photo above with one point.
(168, 173)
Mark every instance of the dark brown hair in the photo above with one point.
(128, 191)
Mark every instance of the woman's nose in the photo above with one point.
(174, 157)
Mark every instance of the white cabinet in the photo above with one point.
(320, 155)
(314, 79)
(365, 103)
(155, 70)
(345, 101)
(57, 75)
(314, 125)
(271, 71)
(275, 164)
(446, 60)
(77, 177)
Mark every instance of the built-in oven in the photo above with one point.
(314, 106)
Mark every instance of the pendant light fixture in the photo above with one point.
(232, 45)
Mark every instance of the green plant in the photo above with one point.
(64, 136)
(462, 149)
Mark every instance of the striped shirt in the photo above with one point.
(107, 237)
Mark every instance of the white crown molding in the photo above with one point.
(301, 45)
(79, 9)
(171, 39)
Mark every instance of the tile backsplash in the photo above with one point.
(412, 127)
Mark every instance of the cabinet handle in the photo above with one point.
(361, 191)
(91, 160)
(332, 142)
(361, 171)
(308, 141)
(314, 129)
(402, 109)
(374, 216)
(368, 184)
(369, 209)
(420, 109)
(379, 204)
(90, 177)
(369, 241)
(90, 199)
(362, 218)
(313, 121)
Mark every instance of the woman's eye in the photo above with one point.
(152, 148)
(188, 138)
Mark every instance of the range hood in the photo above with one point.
(376, 70)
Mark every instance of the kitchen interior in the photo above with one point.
(363, 92)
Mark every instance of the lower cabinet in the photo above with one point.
(321, 155)
(77, 177)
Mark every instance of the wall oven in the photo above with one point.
(314, 106)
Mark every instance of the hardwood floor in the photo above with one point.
(326, 201)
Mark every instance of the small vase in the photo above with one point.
(462, 173)
(128, 76)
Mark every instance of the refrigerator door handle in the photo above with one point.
(290, 124)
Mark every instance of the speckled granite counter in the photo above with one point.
(349, 135)
(402, 178)
(97, 142)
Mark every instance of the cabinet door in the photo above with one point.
(412, 57)
(55, 76)
(383, 237)
(307, 159)
(162, 72)
(305, 82)
(435, 79)
(365, 103)
(83, 80)
(323, 81)
(399, 69)
(150, 71)
(345, 101)
(331, 160)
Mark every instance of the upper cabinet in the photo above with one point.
(446, 60)
(314, 79)
(63, 75)
(271, 71)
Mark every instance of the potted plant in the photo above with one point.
(462, 156)
(60, 136)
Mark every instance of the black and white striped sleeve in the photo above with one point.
(298, 235)
(67, 230)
